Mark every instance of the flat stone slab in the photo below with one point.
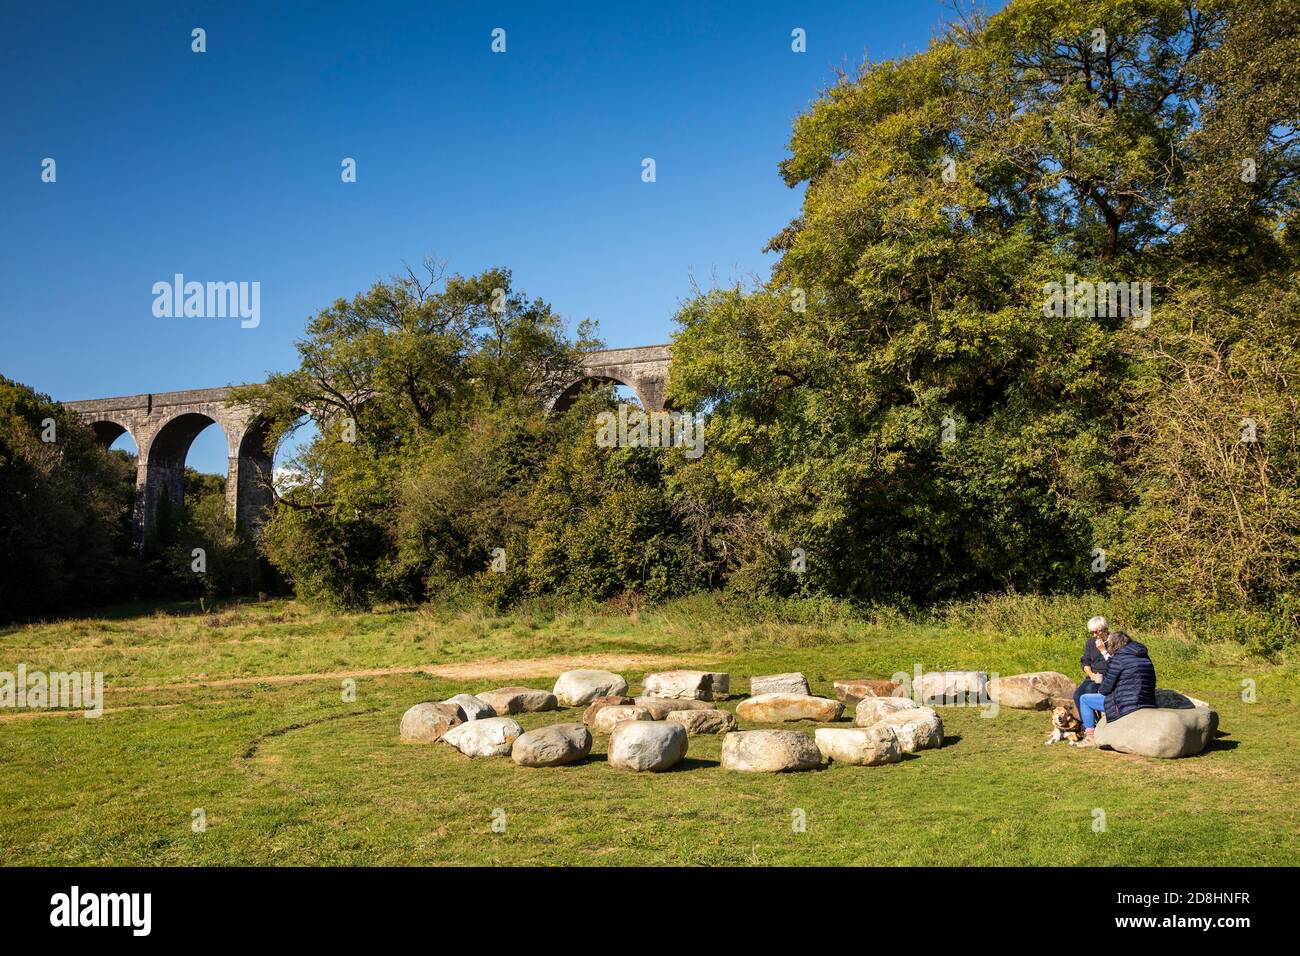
(791, 683)
(1160, 732)
(660, 708)
(427, 722)
(776, 708)
(871, 710)
(769, 751)
(647, 745)
(608, 717)
(1037, 691)
(485, 737)
(916, 729)
(860, 746)
(679, 685)
(852, 691)
(951, 688)
(579, 688)
(600, 703)
(518, 700)
(471, 706)
(552, 746)
(699, 722)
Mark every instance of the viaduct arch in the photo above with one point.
(163, 425)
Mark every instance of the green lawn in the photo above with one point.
(288, 772)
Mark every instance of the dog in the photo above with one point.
(1066, 726)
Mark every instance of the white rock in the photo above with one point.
(862, 747)
(691, 685)
(919, 729)
(647, 744)
(791, 683)
(769, 751)
(871, 710)
(485, 737)
(580, 688)
(552, 746)
(471, 706)
(607, 717)
(951, 688)
(425, 723)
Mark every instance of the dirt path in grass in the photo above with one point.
(525, 669)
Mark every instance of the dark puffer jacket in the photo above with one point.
(1130, 682)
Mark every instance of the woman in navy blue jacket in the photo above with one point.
(1129, 684)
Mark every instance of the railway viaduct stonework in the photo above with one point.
(164, 424)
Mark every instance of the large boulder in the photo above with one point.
(951, 688)
(600, 703)
(660, 708)
(518, 700)
(1160, 732)
(1037, 691)
(607, 717)
(471, 706)
(485, 737)
(679, 685)
(699, 722)
(721, 685)
(860, 746)
(580, 688)
(424, 723)
(647, 745)
(918, 729)
(775, 708)
(871, 710)
(791, 683)
(1173, 700)
(552, 746)
(852, 691)
(769, 751)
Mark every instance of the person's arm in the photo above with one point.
(1113, 668)
(1086, 659)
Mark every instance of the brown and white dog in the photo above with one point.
(1066, 725)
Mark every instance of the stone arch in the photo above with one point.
(108, 429)
(249, 491)
(564, 401)
(164, 461)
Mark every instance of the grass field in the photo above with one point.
(240, 713)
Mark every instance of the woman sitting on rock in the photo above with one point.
(1129, 684)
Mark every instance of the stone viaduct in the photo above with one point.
(164, 424)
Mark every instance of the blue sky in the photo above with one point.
(225, 165)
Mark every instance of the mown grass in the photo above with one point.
(288, 772)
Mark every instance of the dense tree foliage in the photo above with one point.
(905, 411)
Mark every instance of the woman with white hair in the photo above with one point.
(1094, 660)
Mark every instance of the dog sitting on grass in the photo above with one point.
(1066, 725)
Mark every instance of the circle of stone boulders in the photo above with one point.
(649, 733)
(647, 745)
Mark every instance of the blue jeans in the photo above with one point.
(1089, 703)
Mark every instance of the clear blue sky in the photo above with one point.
(225, 165)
